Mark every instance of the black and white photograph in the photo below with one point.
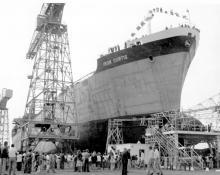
(110, 87)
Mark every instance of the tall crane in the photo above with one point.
(50, 14)
(4, 124)
(50, 113)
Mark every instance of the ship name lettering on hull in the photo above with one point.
(115, 60)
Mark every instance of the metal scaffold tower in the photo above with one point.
(50, 113)
(115, 129)
(115, 135)
(4, 124)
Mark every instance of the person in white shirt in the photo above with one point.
(150, 166)
(48, 163)
(19, 161)
(99, 160)
(157, 167)
(12, 159)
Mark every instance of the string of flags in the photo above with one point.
(152, 12)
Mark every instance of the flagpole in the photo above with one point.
(188, 16)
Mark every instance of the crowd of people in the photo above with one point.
(84, 161)
(30, 161)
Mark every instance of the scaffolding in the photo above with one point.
(177, 137)
(115, 129)
(174, 132)
(50, 113)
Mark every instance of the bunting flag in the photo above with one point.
(158, 10)
(161, 10)
(132, 34)
(171, 12)
(149, 18)
(138, 27)
(142, 23)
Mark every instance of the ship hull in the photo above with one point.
(93, 134)
(147, 96)
(138, 87)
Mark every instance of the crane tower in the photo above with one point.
(4, 124)
(50, 108)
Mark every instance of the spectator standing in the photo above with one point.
(58, 161)
(4, 157)
(86, 161)
(69, 160)
(105, 161)
(0, 158)
(36, 165)
(48, 163)
(124, 160)
(79, 162)
(74, 162)
(129, 158)
(112, 161)
(19, 161)
(33, 162)
(28, 162)
(52, 162)
(62, 161)
(12, 159)
(40, 162)
(94, 160)
(218, 160)
(150, 166)
(157, 161)
(98, 160)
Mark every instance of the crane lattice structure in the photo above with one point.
(50, 107)
(4, 124)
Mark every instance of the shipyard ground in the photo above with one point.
(131, 172)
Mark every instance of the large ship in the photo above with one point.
(144, 77)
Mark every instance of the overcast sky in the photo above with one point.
(93, 27)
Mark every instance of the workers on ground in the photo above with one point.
(12, 159)
(150, 166)
(124, 159)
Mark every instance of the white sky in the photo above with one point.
(93, 27)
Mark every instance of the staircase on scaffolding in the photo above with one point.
(168, 144)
